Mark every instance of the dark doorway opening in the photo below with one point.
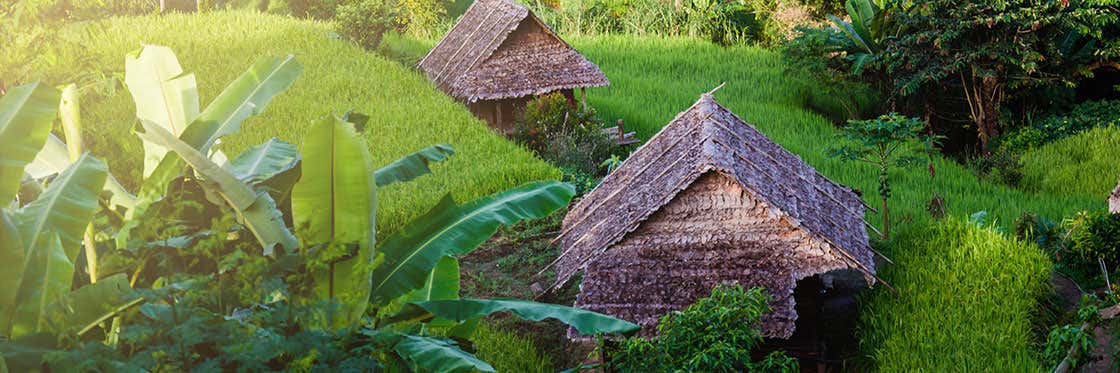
(824, 339)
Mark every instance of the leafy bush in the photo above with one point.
(986, 286)
(723, 22)
(714, 334)
(1083, 117)
(421, 18)
(1002, 166)
(1096, 235)
(565, 136)
(365, 21)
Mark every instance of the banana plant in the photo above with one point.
(26, 114)
(41, 240)
(176, 134)
(872, 23)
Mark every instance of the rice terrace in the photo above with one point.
(560, 185)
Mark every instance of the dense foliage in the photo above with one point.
(1096, 235)
(1082, 117)
(365, 21)
(225, 284)
(570, 137)
(714, 334)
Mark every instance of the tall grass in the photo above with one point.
(966, 297)
(1087, 163)
(406, 112)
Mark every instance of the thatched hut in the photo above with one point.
(499, 56)
(709, 200)
(1114, 200)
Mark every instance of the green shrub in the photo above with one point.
(509, 352)
(365, 21)
(1001, 166)
(966, 300)
(1096, 235)
(1083, 117)
(714, 334)
(565, 136)
(421, 18)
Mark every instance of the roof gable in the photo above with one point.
(487, 55)
(708, 137)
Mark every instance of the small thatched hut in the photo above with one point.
(1114, 200)
(709, 200)
(499, 56)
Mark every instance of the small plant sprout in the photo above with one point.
(883, 142)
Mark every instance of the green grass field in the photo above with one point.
(1084, 163)
(406, 113)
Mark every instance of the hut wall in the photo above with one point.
(712, 232)
(501, 115)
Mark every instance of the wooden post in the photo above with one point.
(583, 97)
(621, 132)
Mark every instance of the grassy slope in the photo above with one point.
(1085, 163)
(406, 113)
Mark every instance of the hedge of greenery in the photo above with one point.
(406, 112)
(965, 302)
(1083, 163)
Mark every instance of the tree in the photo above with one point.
(991, 49)
(883, 142)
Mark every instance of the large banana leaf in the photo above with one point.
(54, 158)
(448, 229)
(430, 354)
(66, 207)
(13, 255)
(26, 113)
(335, 201)
(413, 165)
(96, 303)
(256, 210)
(163, 95)
(246, 96)
(586, 322)
(46, 277)
(262, 162)
(442, 283)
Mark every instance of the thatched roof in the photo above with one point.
(1114, 200)
(707, 137)
(499, 49)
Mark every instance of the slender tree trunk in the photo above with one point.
(886, 221)
(984, 95)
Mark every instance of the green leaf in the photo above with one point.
(14, 255)
(262, 162)
(586, 322)
(53, 158)
(851, 32)
(26, 114)
(257, 211)
(431, 354)
(335, 202)
(46, 278)
(412, 253)
(96, 303)
(442, 283)
(163, 94)
(413, 165)
(246, 96)
(66, 207)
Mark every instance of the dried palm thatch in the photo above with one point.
(709, 200)
(499, 50)
(1114, 200)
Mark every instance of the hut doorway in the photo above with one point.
(826, 321)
